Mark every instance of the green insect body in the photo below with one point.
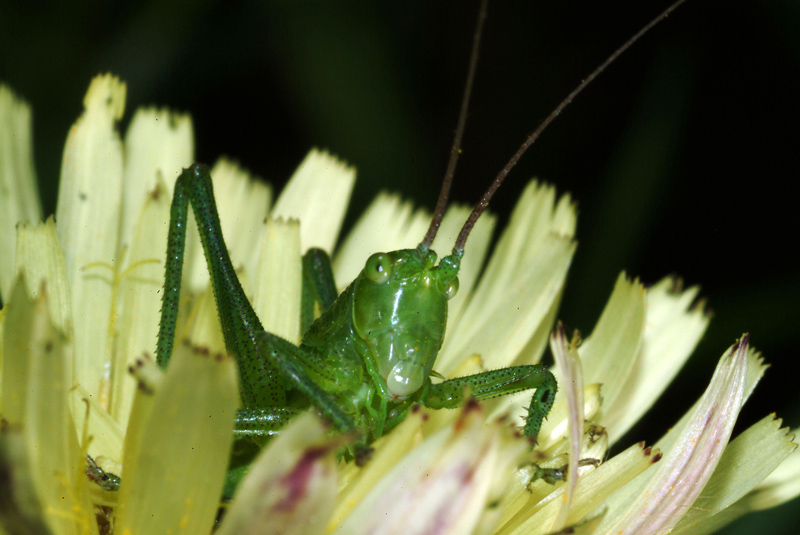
(363, 363)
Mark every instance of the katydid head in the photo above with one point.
(400, 298)
(400, 311)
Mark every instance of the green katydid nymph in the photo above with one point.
(370, 355)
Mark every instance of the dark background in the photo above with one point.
(682, 156)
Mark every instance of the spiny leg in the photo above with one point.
(450, 394)
(260, 424)
(263, 385)
(260, 383)
(251, 431)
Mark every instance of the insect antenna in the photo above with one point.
(455, 150)
(458, 249)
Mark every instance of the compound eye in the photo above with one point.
(378, 268)
(451, 289)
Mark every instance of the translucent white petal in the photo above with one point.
(15, 350)
(439, 487)
(21, 511)
(592, 490)
(105, 435)
(242, 203)
(357, 482)
(40, 257)
(571, 388)
(203, 327)
(780, 486)
(35, 365)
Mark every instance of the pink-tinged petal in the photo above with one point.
(291, 487)
(688, 466)
(571, 387)
(440, 487)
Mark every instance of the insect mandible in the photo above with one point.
(369, 357)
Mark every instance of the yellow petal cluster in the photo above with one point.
(81, 297)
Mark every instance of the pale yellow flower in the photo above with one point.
(83, 296)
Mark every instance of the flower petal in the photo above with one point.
(278, 283)
(202, 326)
(89, 198)
(291, 487)
(780, 486)
(507, 312)
(242, 203)
(140, 289)
(747, 460)
(357, 482)
(20, 509)
(691, 461)
(158, 144)
(104, 434)
(34, 359)
(673, 328)
(176, 451)
(40, 257)
(441, 486)
(571, 382)
(20, 198)
(17, 321)
(474, 252)
(610, 353)
(317, 195)
(536, 518)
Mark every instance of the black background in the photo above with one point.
(682, 156)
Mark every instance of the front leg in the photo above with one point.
(304, 369)
(319, 287)
(450, 394)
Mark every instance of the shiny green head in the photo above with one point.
(400, 311)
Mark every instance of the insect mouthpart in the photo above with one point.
(405, 378)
